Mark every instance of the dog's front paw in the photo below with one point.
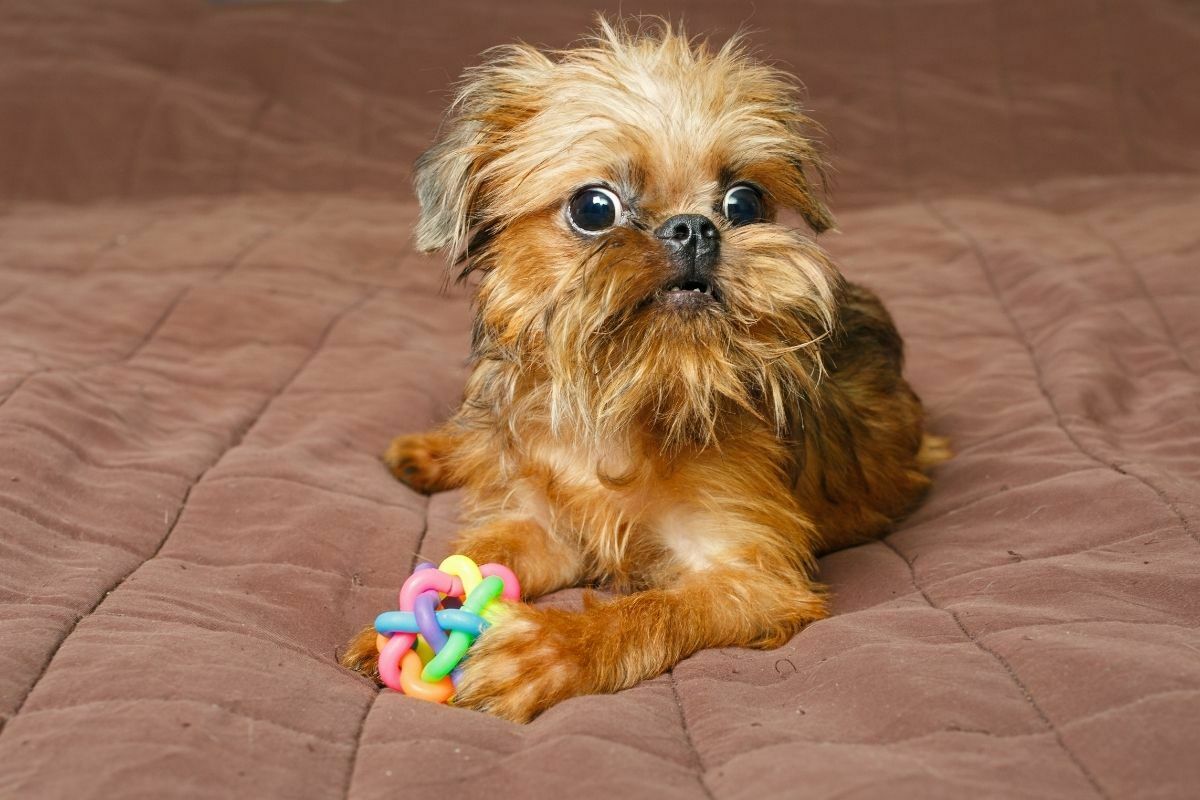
(418, 461)
(361, 654)
(524, 664)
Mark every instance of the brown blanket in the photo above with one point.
(212, 321)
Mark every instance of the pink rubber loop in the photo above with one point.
(389, 658)
(446, 584)
(512, 588)
(422, 581)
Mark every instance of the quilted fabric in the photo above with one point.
(212, 321)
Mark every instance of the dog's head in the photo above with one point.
(620, 202)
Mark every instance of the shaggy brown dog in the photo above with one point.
(673, 394)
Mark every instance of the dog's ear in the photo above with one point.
(812, 179)
(807, 176)
(771, 109)
(446, 189)
(451, 177)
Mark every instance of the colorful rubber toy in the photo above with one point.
(441, 612)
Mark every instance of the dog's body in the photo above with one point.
(673, 395)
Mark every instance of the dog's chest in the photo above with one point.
(617, 507)
(566, 476)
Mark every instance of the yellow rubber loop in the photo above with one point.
(424, 650)
(465, 570)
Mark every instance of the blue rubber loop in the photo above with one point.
(448, 619)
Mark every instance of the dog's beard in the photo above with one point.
(619, 354)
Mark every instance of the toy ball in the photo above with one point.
(441, 612)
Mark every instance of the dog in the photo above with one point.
(674, 395)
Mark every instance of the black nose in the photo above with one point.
(691, 239)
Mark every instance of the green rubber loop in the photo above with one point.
(458, 642)
(487, 591)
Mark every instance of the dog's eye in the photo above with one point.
(594, 209)
(742, 205)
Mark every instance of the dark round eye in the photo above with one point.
(742, 205)
(594, 209)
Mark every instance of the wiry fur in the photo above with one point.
(697, 457)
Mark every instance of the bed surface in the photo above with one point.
(212, 321)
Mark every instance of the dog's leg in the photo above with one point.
(541, 562)
(361, 654)
(541, 656)
(864, 456)
(420, 460)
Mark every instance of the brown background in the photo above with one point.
(211, 321)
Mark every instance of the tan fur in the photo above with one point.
(698, 460)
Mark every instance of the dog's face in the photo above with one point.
(620, 201)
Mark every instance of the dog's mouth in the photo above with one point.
(689, 294)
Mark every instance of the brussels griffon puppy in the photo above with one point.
(674, 395)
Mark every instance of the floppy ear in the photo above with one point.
(808, 176)
(810, 203)
(776, 148)
(445, 178)
(451, 177)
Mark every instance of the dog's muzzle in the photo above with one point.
(693, 244)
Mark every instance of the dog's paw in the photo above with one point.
(524, 664)
(417, 461)
(361, 654)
